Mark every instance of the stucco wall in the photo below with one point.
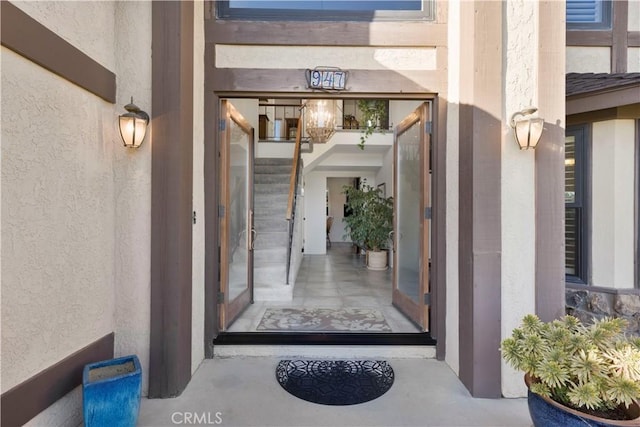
(633, 59)
(590, 59)
(518, 196)
(57, 219)
(612, 204)
(452, 356)
(197, 293)
(75, 203)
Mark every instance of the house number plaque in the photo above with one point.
(326, 78)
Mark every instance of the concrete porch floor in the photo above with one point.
(243, 391)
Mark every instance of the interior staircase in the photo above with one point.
(271, 192)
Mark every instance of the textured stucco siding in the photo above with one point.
(76, 204)
(354, 57)
(588, 59)
(518, 195)
(57, 219)
(87, 25)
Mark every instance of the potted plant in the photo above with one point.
(577, 375)
(370, 222)
(374, 111)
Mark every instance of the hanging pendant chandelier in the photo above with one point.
(320, 119)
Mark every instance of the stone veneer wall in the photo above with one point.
(587, 303)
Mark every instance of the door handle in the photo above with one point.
(253, 239)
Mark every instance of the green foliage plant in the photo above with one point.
(371, 218)
(586, 367)
(373, 110)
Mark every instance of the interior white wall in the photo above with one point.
(337, 199)
(198, 249)
(315, 186)
(518, 173)
(612, 203)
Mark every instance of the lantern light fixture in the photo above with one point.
(133, 125)
(320, 119)
(527, 131)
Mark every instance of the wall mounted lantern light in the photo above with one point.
(320, 119)
(527, 131)
(133, 125)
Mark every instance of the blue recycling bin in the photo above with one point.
(111, 392)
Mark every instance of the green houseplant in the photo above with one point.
(374, 111)
(592, 372)
(370, 220)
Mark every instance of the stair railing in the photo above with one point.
(293, 193)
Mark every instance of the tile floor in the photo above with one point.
(243, 391)
(337, 279)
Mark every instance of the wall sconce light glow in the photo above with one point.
(527, 131)
(320, 119)
(133, 125)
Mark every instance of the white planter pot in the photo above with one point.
(377, 260)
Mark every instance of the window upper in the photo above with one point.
(326, 10)
(588, 14)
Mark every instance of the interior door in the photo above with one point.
(412, 213)
(237, 233)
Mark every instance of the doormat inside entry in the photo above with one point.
(335, 382)
(323, 319)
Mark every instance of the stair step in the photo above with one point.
(265, 199)
(270, 211)
(272, 275)
(272, 169)
(265, 240)
(271, 224)
(272, 178)
(271, 189)
(273, 161)
(267, 256)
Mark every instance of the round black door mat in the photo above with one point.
(335, 382)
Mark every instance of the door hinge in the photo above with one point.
(428, 127)
(427, 213)
(427, 298)
(222, 125)
(221, 210)
(194, 217)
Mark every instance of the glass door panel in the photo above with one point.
(236, 214)
(411, 228)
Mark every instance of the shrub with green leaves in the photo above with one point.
(585, 366)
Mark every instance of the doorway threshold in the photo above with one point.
(324, 338)
(325, 345)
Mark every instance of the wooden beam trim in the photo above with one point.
(549, 164)
(291, 33)
(633, 38)
(619, 36)
(589, 38)
(602, 100)
(27, 399)
(171, 198)
(360, 81)
(35, 42)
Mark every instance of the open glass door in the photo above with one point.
(236, 214)
(412, 197)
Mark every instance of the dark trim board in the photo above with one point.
(171, 198)
(27, 37)
(323, 338)
(29, 398)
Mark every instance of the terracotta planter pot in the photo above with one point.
(546, 412)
